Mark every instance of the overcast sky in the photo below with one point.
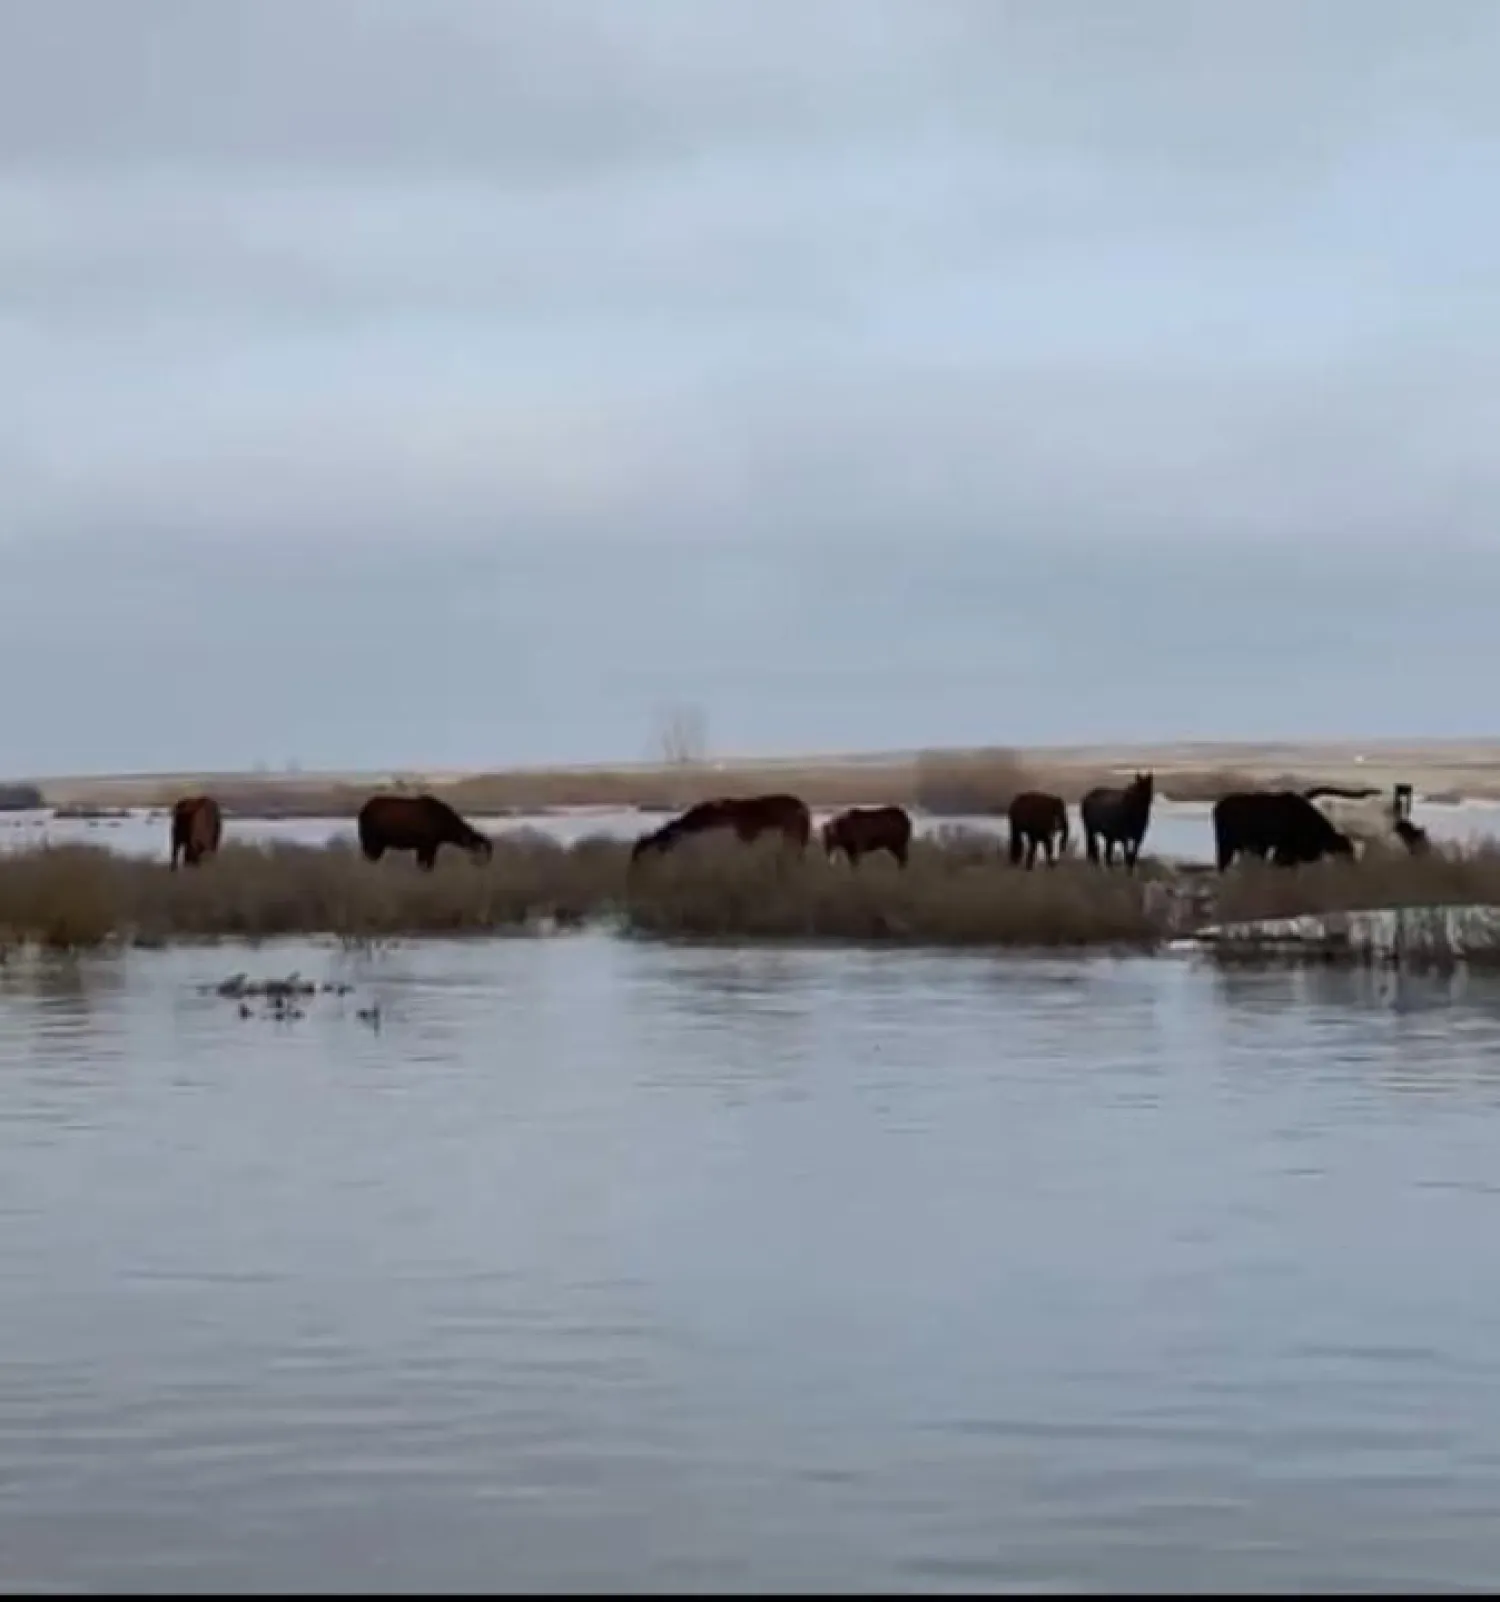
(344, 273)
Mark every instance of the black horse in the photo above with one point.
(1279, 824)
(1118, 816)
(1037, 819)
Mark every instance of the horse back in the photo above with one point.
(412, 821)
(871, 828)
(757, 814)
(1038, 810)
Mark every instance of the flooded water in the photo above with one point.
(588, 1263)
(1178, 829)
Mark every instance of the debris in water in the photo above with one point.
(282, 996)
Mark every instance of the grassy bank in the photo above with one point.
(958, 891)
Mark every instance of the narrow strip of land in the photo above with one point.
(952, 781)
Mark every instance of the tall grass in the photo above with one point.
(1383, 877)
(958, 890)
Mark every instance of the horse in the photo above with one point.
(419, 823)
(1119, 816)
(197, 827)
(1369, 820)
(1281, 824)
(862, 830)
(1036, 819)
(748, 816)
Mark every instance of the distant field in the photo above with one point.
(952, 782)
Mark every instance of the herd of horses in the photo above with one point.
(1282, 827)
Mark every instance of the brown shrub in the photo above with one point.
(82, 895)
(1382, 877)
(955, 784)
(958, 890)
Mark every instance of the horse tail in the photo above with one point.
(1062, 833)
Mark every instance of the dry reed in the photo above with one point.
(958, 890)
(1382, 877)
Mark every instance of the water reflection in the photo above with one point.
(610, 1264)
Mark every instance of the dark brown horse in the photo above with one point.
(1118, 815)
(748, 816)
(1280, 824)
(863, 830)
(419, 823)
(1037, 819)
(197, 828)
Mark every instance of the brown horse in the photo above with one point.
(419, 823)
(1118, 816)
(863, 830)
(749, 817)
(1037, 819)
(197, 827)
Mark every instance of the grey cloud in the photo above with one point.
(577, 87)
(884, 452)
(701, 266)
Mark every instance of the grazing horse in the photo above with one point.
(1118, 816)
(197, 827)
(1280, 824)
(1037, 819)
(863, 830)
(419, 823)
(749, 817)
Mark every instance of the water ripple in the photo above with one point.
(610, 1265)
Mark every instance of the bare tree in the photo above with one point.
(682, 737)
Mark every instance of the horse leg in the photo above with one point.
(1091, 845)
(427, 858)
(1015, 845)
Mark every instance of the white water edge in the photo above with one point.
(1452, 932)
